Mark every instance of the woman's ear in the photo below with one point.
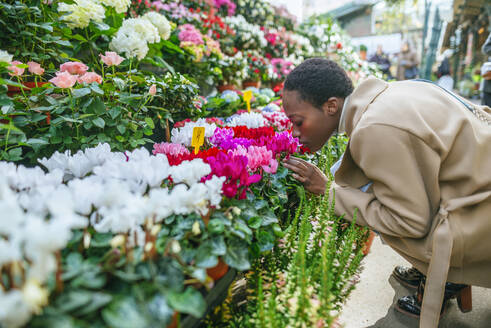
(330, 107)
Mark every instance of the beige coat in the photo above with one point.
(429, 158)
(406, 60)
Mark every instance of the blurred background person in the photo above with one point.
(445, 79)
(383, 62)
(486, 73)
(407, 63)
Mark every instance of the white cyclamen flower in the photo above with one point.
(82, 12)
(5, 57)
(251, 120)
(121, 6)
(160, 22)
(190, 172)
(184, 135)
(14, 312)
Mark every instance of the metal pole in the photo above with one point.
(425, 31)
(435, 36)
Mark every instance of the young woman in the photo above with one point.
(427, 155)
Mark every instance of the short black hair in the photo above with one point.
(317, 80)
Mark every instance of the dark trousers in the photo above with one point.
(486, 98)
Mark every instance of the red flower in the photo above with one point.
(257, 71)
(254, 59)
(269, 56)
(339, 45)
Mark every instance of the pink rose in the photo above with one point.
(111, 58)
(90, 77)
(153, 90)
(74, 68)
(64, 80)
(35, 68)
(14, 70)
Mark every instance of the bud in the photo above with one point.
(175, 247)
(148, 247)
(153, 90)
(118, 241)
(196, 230)
(229, 216)
(35, 295)
(156, 229)
(236, 210)
(87, 238)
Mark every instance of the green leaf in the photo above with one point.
(237, 255)
(215, 226)
(218, 246)
(101, 239)
(78, 93)
(254, 222)
(150, 123)
(79, 37)
(36, 141)
(99, 122)
(265, 240)
(204, 256)
(97, 106)
(98, 300)
(124, 313)
(72, 300)
(190, 302)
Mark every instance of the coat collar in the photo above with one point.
(357, 103)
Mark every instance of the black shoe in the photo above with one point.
(409, 277)
(411, 305)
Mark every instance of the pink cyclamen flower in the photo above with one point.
(14, 70)
(111, 58)
(90, 77)
(35, 68)
(153, 90)
(64, 80)
(74, 68)
(168, 148)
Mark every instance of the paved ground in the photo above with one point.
(370, 305)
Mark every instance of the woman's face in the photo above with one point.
(313, 126)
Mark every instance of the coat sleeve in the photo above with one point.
(405, 193)
(486, 48)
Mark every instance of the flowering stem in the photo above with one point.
(23, 93)
(129, 73)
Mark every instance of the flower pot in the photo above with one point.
(224, 87)
(218, 270)
(11, 90)
(368, 243)
(247, 84)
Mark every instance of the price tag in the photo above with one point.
(247, 98)
(198, 138)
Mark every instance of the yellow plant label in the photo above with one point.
(198, 138)
(247, 98)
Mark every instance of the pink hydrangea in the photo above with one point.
(64, 80)
(35, 68)
(14, 70)
(90, 77)
(189, 33)
(74, 68)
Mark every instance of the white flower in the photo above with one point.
(81, 13)
(5, 57)
(160, 22)
(190, 172)
(34, 295)
(214, 186)
(13, 311)
(121, 6)
(184, 134)
(143, 27)
(251, 120)
(130, 43)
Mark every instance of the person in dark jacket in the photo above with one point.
(382, 60)
(486, 93)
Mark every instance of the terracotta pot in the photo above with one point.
(173, 323)
(247, 84)
(368, 243)
(217, 271)
(11, 90)
(224, 87)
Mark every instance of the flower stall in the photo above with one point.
(135, 192)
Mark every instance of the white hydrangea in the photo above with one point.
(184, 135)
(5, 56)
(82, 12)
(133, 36)
(160, 22)
(14, 312)
(251, 120)
(121, 6)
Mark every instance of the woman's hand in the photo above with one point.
(310, 175)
